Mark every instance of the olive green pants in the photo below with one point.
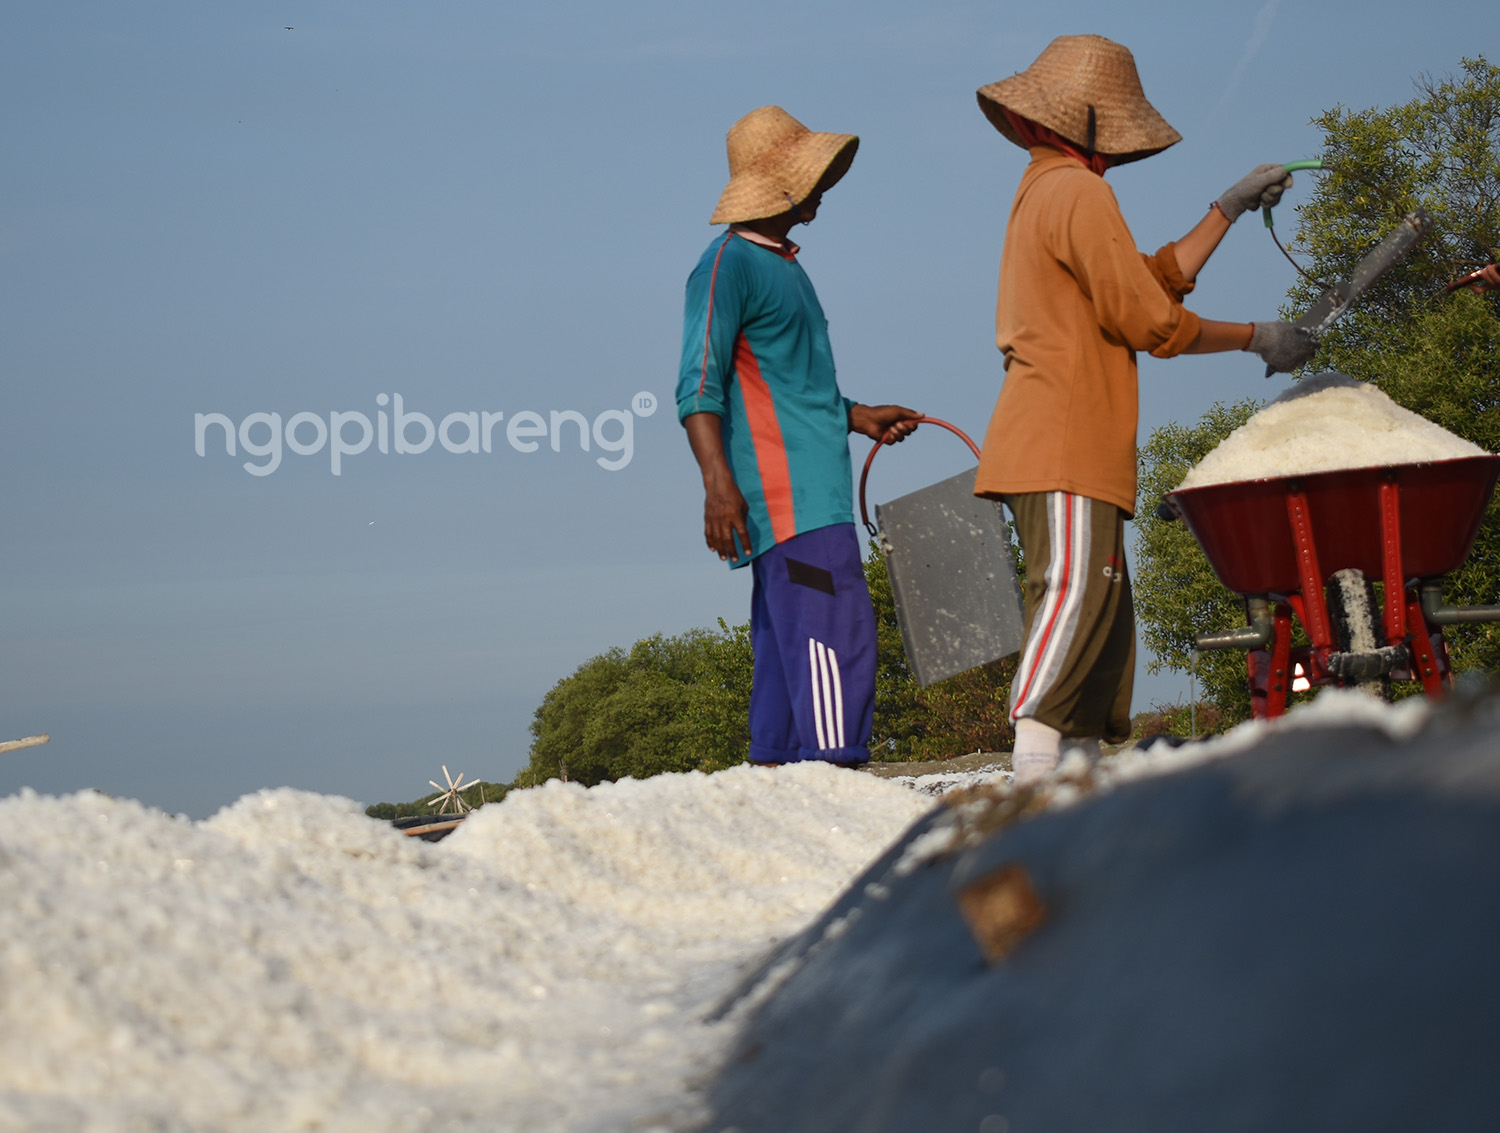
(1078, 665)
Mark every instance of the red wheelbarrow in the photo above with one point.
(1309, 547)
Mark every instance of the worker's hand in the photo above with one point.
(1262, 186)
(1486, 279)
(724, 512)
(1282, 346)
(885, 423)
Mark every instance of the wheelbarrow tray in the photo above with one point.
(948, 556)
(1244, 530)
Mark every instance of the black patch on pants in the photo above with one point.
(805, 574)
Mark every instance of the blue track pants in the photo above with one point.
(813, 631)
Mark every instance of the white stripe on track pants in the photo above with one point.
(1078, 666)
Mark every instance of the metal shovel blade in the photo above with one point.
(948, 555)
(1379, 260)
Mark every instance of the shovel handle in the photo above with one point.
(1295, 167)
(864, 513)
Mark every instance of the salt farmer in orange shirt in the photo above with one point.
(1077, 300)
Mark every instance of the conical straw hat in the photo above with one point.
(773, 157)
(1076, 74)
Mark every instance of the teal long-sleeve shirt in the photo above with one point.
(755, 353)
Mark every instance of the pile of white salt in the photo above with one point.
(1324, 424)
(291, 964)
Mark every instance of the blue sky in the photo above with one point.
(493, 208)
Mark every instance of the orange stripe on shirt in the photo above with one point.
(708, 326)
(770, 449)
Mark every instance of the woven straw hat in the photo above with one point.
(772, 156)
(1074, 76)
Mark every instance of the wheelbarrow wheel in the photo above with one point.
(1351, 605)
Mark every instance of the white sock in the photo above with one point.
(1035, 754)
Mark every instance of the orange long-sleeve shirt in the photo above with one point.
(1077, 300)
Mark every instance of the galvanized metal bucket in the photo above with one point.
(948, 555)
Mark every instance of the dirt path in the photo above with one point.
(974, 761)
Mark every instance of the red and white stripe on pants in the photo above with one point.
(1056, 623)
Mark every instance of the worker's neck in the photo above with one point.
(774, 228)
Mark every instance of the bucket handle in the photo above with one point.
(864, 513)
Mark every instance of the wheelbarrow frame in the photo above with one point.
(1417, 545)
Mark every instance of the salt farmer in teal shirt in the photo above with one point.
(769, 428)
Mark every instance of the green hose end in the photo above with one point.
(1294, 167)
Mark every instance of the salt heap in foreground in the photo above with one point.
(291, 964)
(1325, 424)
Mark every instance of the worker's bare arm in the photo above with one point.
(724, 507)
(1283, 346)
(1194, 249)
(1216, 337)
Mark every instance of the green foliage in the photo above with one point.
(1440, 152)
(899, 718)
(719, 711)
(969, 712)
(1177, 594)
(669, 704)
(476, 796)
(1436, 354)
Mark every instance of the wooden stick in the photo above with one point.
(29, 741)
(443, 822)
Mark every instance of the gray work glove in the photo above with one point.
(1263, 185)
(1282, 346)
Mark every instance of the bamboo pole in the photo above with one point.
(29, 741)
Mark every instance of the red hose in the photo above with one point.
(864, 513)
